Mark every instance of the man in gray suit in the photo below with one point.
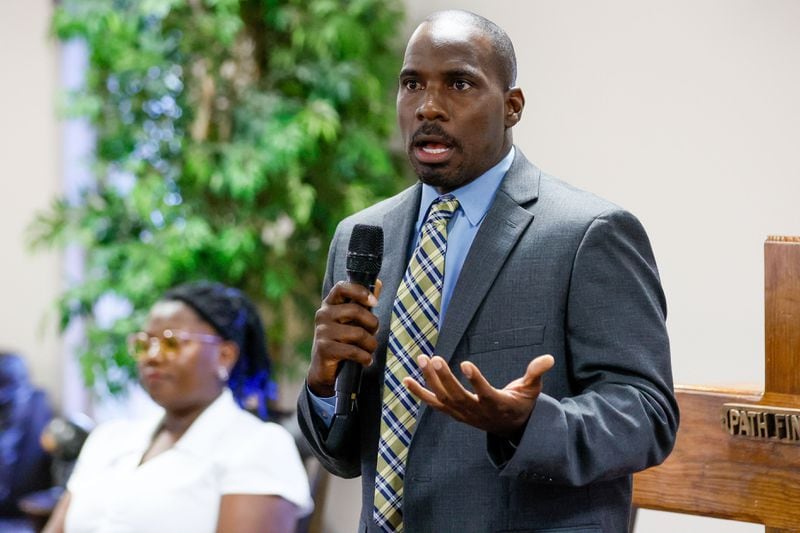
(505, 438)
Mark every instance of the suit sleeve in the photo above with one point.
(343, 459)
(624, 416)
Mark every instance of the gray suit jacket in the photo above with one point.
(552, 270)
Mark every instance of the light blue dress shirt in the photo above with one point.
(474, 200)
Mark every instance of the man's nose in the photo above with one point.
(432, 107)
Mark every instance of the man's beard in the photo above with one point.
(436, 175)
(439, 176)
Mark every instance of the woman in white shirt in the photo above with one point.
(205, 464)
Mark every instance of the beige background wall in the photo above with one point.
(685, 112)
(29, 178)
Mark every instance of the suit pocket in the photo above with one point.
(504, 339)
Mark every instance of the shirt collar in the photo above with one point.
(199, 438)
(475, 197)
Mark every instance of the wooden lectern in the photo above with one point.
(737, 454)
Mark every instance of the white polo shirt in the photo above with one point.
(225, 451)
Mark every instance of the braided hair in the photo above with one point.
(234, 317)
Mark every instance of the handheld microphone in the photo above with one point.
(364, 256)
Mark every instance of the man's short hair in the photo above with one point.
(501, 43)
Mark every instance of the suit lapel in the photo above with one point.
(398, 225)
(505, 222)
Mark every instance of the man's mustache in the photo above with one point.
(434, 129)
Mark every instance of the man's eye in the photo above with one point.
(411, 85)
(461, 85)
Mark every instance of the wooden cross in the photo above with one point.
(737, 455)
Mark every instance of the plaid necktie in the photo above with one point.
(414, 331)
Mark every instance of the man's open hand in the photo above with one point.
(503, 412)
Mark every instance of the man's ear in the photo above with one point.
(515, 102)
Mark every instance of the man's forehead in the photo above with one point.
(445, 30)
(452, 40)
(448, 28)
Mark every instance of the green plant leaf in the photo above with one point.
(231, 137)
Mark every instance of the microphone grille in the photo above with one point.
(365, 251)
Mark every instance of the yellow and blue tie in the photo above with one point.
(414, 330)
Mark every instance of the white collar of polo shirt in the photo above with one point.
(199, 438)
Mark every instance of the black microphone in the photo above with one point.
(364, 256)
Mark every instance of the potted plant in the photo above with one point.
(231, 137)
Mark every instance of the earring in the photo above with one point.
(222, 374)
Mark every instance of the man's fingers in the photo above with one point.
(451, 388)
(479, 383)
(347, 313)
(431, 377)
(345, 291)
(422, 393)
(346, 334)
(332, 352)
(536, 370)
(434, 384)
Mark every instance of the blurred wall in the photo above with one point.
(685, 112)
(29, 178)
